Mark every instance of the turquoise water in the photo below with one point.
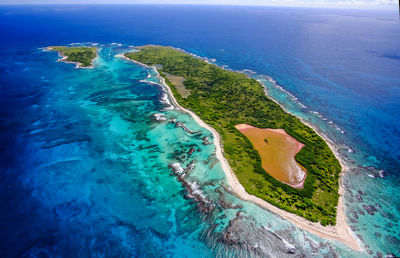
(100, 161)
(363, 192)
(89, 171)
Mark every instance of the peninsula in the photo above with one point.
(81, 56)
(223, 101)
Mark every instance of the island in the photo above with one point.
(228, 103)
(81, 56)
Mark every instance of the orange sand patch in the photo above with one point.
(277, 150)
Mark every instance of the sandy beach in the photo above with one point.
(340, 232)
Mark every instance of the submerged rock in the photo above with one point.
(191, 150)
(361, 192)
(369, 209)
(193, 190)
(354, 212)
(206, 141)
(182, 125)
(392, 240)
(225, 204)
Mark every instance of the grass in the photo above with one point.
(177, 81)
(223, 99)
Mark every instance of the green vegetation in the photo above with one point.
(82, 55)
(224, 99)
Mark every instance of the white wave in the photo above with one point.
(319, 115)
(168, 108)
(348, 149)
(248, 71)
(291, 96)
(165, 100)
(159, 117)
(336, 127)
(177, 168)
(196, 193)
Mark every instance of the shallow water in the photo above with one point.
(98, 160)
(86, 165)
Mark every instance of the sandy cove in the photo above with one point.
(340, 232)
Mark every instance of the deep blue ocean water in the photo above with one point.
(85, 166)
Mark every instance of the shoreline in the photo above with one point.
(342, 228)
(340, 232)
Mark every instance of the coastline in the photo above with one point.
(340, 232)
(341, 227)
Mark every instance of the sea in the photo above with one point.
(94, 162)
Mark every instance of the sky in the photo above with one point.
(306, 3)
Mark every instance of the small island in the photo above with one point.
(223, 101)
(81, 56)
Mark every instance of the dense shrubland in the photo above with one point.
(82, 55)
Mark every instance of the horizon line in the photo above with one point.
(322, 6)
